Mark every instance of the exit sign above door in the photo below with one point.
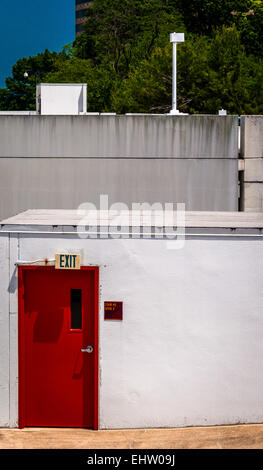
(67, 261)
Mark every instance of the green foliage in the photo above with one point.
(202, 16)
(148, 86)
(231, 75)
(99, 80)
(125, 57)
(212, 73)
(119, 33)
(20, 92)
(250, 24)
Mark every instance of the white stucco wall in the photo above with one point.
(189, 349)
(4, 330)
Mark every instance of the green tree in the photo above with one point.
(231, 78)
(119, 33)
(125, 57)
(149, 85)
(20, 92)
(250, 24)
(203, 16)
(212, 73)
(99, 80)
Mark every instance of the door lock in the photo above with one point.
(88, 349)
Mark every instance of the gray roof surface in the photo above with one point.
(134, 218)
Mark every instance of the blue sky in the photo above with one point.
(30, 26)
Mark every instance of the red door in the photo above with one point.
(58, 347)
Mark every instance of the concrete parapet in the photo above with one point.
(252, 152)
(140, 136)
(62, 161)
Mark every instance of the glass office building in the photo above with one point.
(81, 9)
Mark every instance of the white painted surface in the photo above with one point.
(61, 98)
(135, 218)
(189, 349)
(13, 330)
(4, 330)
(18, 113)
(175, 38)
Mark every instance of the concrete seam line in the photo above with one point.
(244, 235)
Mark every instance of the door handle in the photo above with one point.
(88, 349)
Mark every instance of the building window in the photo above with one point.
(76, 310)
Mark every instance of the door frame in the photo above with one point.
(21, 341)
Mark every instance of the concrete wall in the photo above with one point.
(63, 161)
(189, 349)
(252, 153)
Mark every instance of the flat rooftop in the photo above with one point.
(144, 218)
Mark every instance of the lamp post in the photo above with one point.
(175, 38)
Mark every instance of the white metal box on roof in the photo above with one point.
(173, 317)
(61, 98)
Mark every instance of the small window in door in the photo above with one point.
(76, 310)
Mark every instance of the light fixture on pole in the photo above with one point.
(175, 38)
(27, 73)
